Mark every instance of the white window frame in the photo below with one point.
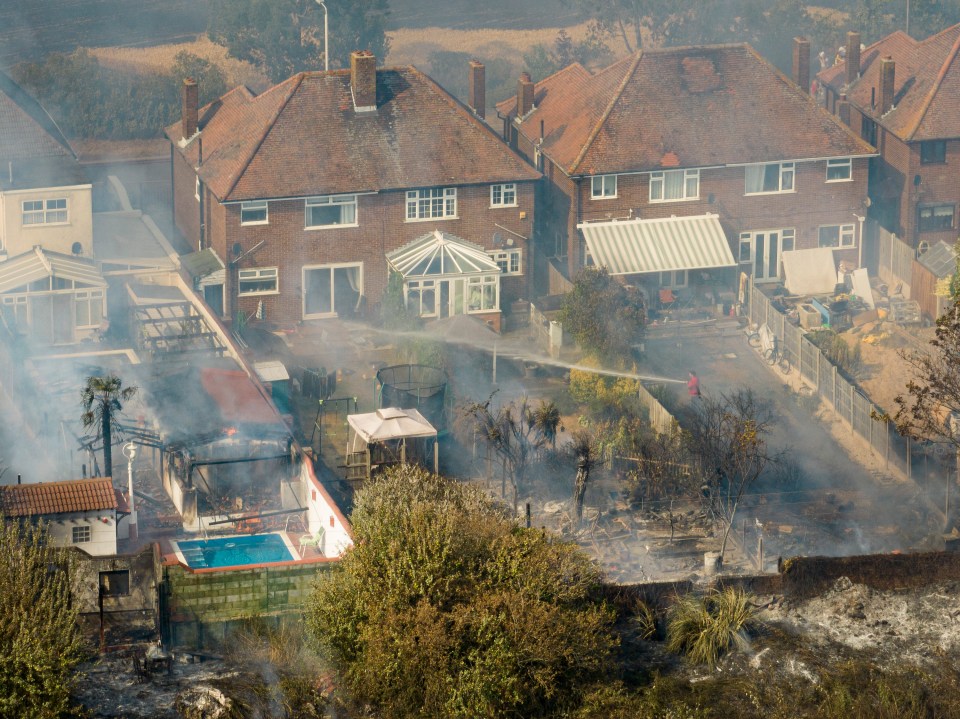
(846, 236)
(344, 202)
(482, 282)
(675, 279)
(414, 289)
(44, 212)
(503, 195)
(255, 207)
(79, 536)
(510, 261)
(788, 241)
(603, 187)
(658, 185)
(331, 268)
(845, 165)
(88, 298)
(19, 304)
(422, 205)
(787, 170)
(258, 274)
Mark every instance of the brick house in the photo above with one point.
(304, 190)
(680, 159)
(50, 286)
(903, 96)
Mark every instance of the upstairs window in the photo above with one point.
(254, 213)
(510, 261)
(935, 217)
(258, 281)
(674, 185)
(933, 152)
(431, 204)
(839, 170)
(603, 187)
(837, 236)
(45, 212)
(770, 177)
(330, 211)
(868, 130)
(503, 195)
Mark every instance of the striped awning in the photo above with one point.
(627, 247)
(38, 264)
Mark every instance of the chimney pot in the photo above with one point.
(524, 95)
(887, 77)
(478, 88)
(189, 115)
(801, 63)
(852, 62)
(363, 80)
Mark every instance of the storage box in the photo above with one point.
(809, 316)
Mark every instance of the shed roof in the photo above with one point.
(79, 495)
(941, 259)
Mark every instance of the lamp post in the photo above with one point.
(326, 38)
(130, 452)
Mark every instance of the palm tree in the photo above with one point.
(546, 418)
(101, 399)
(586, 454)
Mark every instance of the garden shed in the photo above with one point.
(931, 279)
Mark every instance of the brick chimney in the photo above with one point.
(190, 108)
(853, 57)
(801, 63)
(477, 92)
(887, 76)
(363, 80)
(524, 95)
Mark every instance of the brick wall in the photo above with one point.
(186, 209)
(382, 228)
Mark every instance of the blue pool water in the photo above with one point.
(235, 551)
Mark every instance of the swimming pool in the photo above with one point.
(235, 551)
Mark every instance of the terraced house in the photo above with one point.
(681, 165)
(312, 192)
(903, 96)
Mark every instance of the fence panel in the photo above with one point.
(896, 261)
(845, 398)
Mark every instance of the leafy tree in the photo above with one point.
(40, 642)
(285, 37)
(516, 432)
(542, 61)
(605, 317)
(729, 436)
(445, 607)
(102, 399)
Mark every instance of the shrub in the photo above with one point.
(703, 628)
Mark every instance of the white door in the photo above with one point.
(766, 256)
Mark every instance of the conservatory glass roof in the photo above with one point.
(438, 254)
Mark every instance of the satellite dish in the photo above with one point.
(922, 247)
(497, 239)
(77, 249)
(509, 242)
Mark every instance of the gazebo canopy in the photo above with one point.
(441, 254)
(390, 423)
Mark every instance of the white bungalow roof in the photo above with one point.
(38, 265)
(439, 254)
(390, 423)
(627, 247)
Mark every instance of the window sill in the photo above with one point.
(431, 219)
(845, 179)
(605, 197)
(483, 312)
(250, 224)
(679, 199)
(503, 207)
(35, 225)
(765, 194)
(311, 228)
(258, 294)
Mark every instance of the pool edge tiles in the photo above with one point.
(196, 554)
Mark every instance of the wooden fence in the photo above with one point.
(895, 265)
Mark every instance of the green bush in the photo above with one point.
(838, 351)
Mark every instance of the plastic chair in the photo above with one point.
(311, 541)
(667, 298)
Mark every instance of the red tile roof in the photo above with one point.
(681, 107)
(79, 495)
(926, 84)
(303, 137)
